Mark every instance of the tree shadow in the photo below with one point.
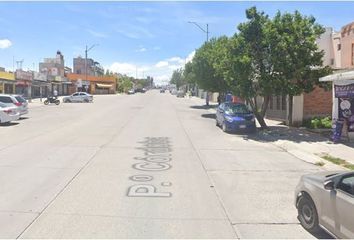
(8, 124)
(209, 115)
(23, 118)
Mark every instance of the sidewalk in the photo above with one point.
(301, 143)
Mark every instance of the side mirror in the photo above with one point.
(329, 185)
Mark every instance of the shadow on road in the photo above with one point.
(322, 234)
(209, 115)
(23, 118)
(8, 124)
(211, 106)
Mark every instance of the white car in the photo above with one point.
(78, 97)
(8, 114)
(15, 101)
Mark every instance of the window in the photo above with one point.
(347, 184)
(5, 99)
(76, 94)
(278, 102)
(339, 46)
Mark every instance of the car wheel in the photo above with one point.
(86, 100)
(224, 127)
(307, 214)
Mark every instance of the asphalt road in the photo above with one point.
(142, 166)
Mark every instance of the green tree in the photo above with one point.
(295, 54)
(178, 78)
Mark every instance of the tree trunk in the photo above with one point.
(259, 114)
(290, 116)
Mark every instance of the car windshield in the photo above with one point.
(237, 109)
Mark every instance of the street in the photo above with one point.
(142, 166)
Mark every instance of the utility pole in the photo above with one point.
(204, 30)
(94, 45)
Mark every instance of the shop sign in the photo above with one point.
(344, 91)
(40, 76)
(7, 76)
(23, 75)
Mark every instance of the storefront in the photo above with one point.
(93, 84)
(343, 101)
(7, 82)
(40, 86)
(24, 83)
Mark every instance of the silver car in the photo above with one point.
(326, 200)
(15, 101)
(78, 97)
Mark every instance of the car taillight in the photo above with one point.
(18, 104)
(8, 111)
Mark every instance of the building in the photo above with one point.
(93, 84)
(24, 83)
(347, 46)
(93, 67)
(54, 69)
(40, 85)
(7, 82)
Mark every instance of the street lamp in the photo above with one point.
(88, 49)
(207, 39)
(206, 31)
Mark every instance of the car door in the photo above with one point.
(345, 207)
(75, 97)
(83, 96)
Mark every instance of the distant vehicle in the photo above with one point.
(326, 200)
(15, 101)
(233, 117)
(78, 97)
(180, 94)
(173, 91)
(162, 90)
(51, 100)
(141, 90)
(131, 91)
(8, 114)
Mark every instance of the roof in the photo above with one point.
(347, 76)
(75, 77)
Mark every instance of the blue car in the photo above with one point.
(233, 117)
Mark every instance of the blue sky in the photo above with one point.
(150, 38)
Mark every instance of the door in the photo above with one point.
(345, 207)
(76, 97)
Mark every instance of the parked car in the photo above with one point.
(141, 90)
(326, 200)
(8, 114)
(234, 117)
(15, 101)
(131, 91)
(180, 93)
(162, 90)
(78, 97)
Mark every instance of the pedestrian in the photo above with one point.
(219, 99)
(55, 93)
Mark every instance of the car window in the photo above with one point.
(76, 94)
(347, 184)
(83, 94)
(2, 105)
(5, 99)
(20, 99)
(237, 109)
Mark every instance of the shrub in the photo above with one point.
(318, 122)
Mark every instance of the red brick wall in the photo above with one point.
(318, 103)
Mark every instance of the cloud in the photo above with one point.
(141, 49)
(160, 71)
(134, 31)
(156, 48)
(190, 57)
(96, 34)
(161, 64)
(5, 43)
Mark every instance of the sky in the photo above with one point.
(134, 38)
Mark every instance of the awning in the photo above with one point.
(103, 85)
(345, 77)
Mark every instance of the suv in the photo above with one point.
(15, 100)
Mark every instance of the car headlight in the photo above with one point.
(228, 118)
